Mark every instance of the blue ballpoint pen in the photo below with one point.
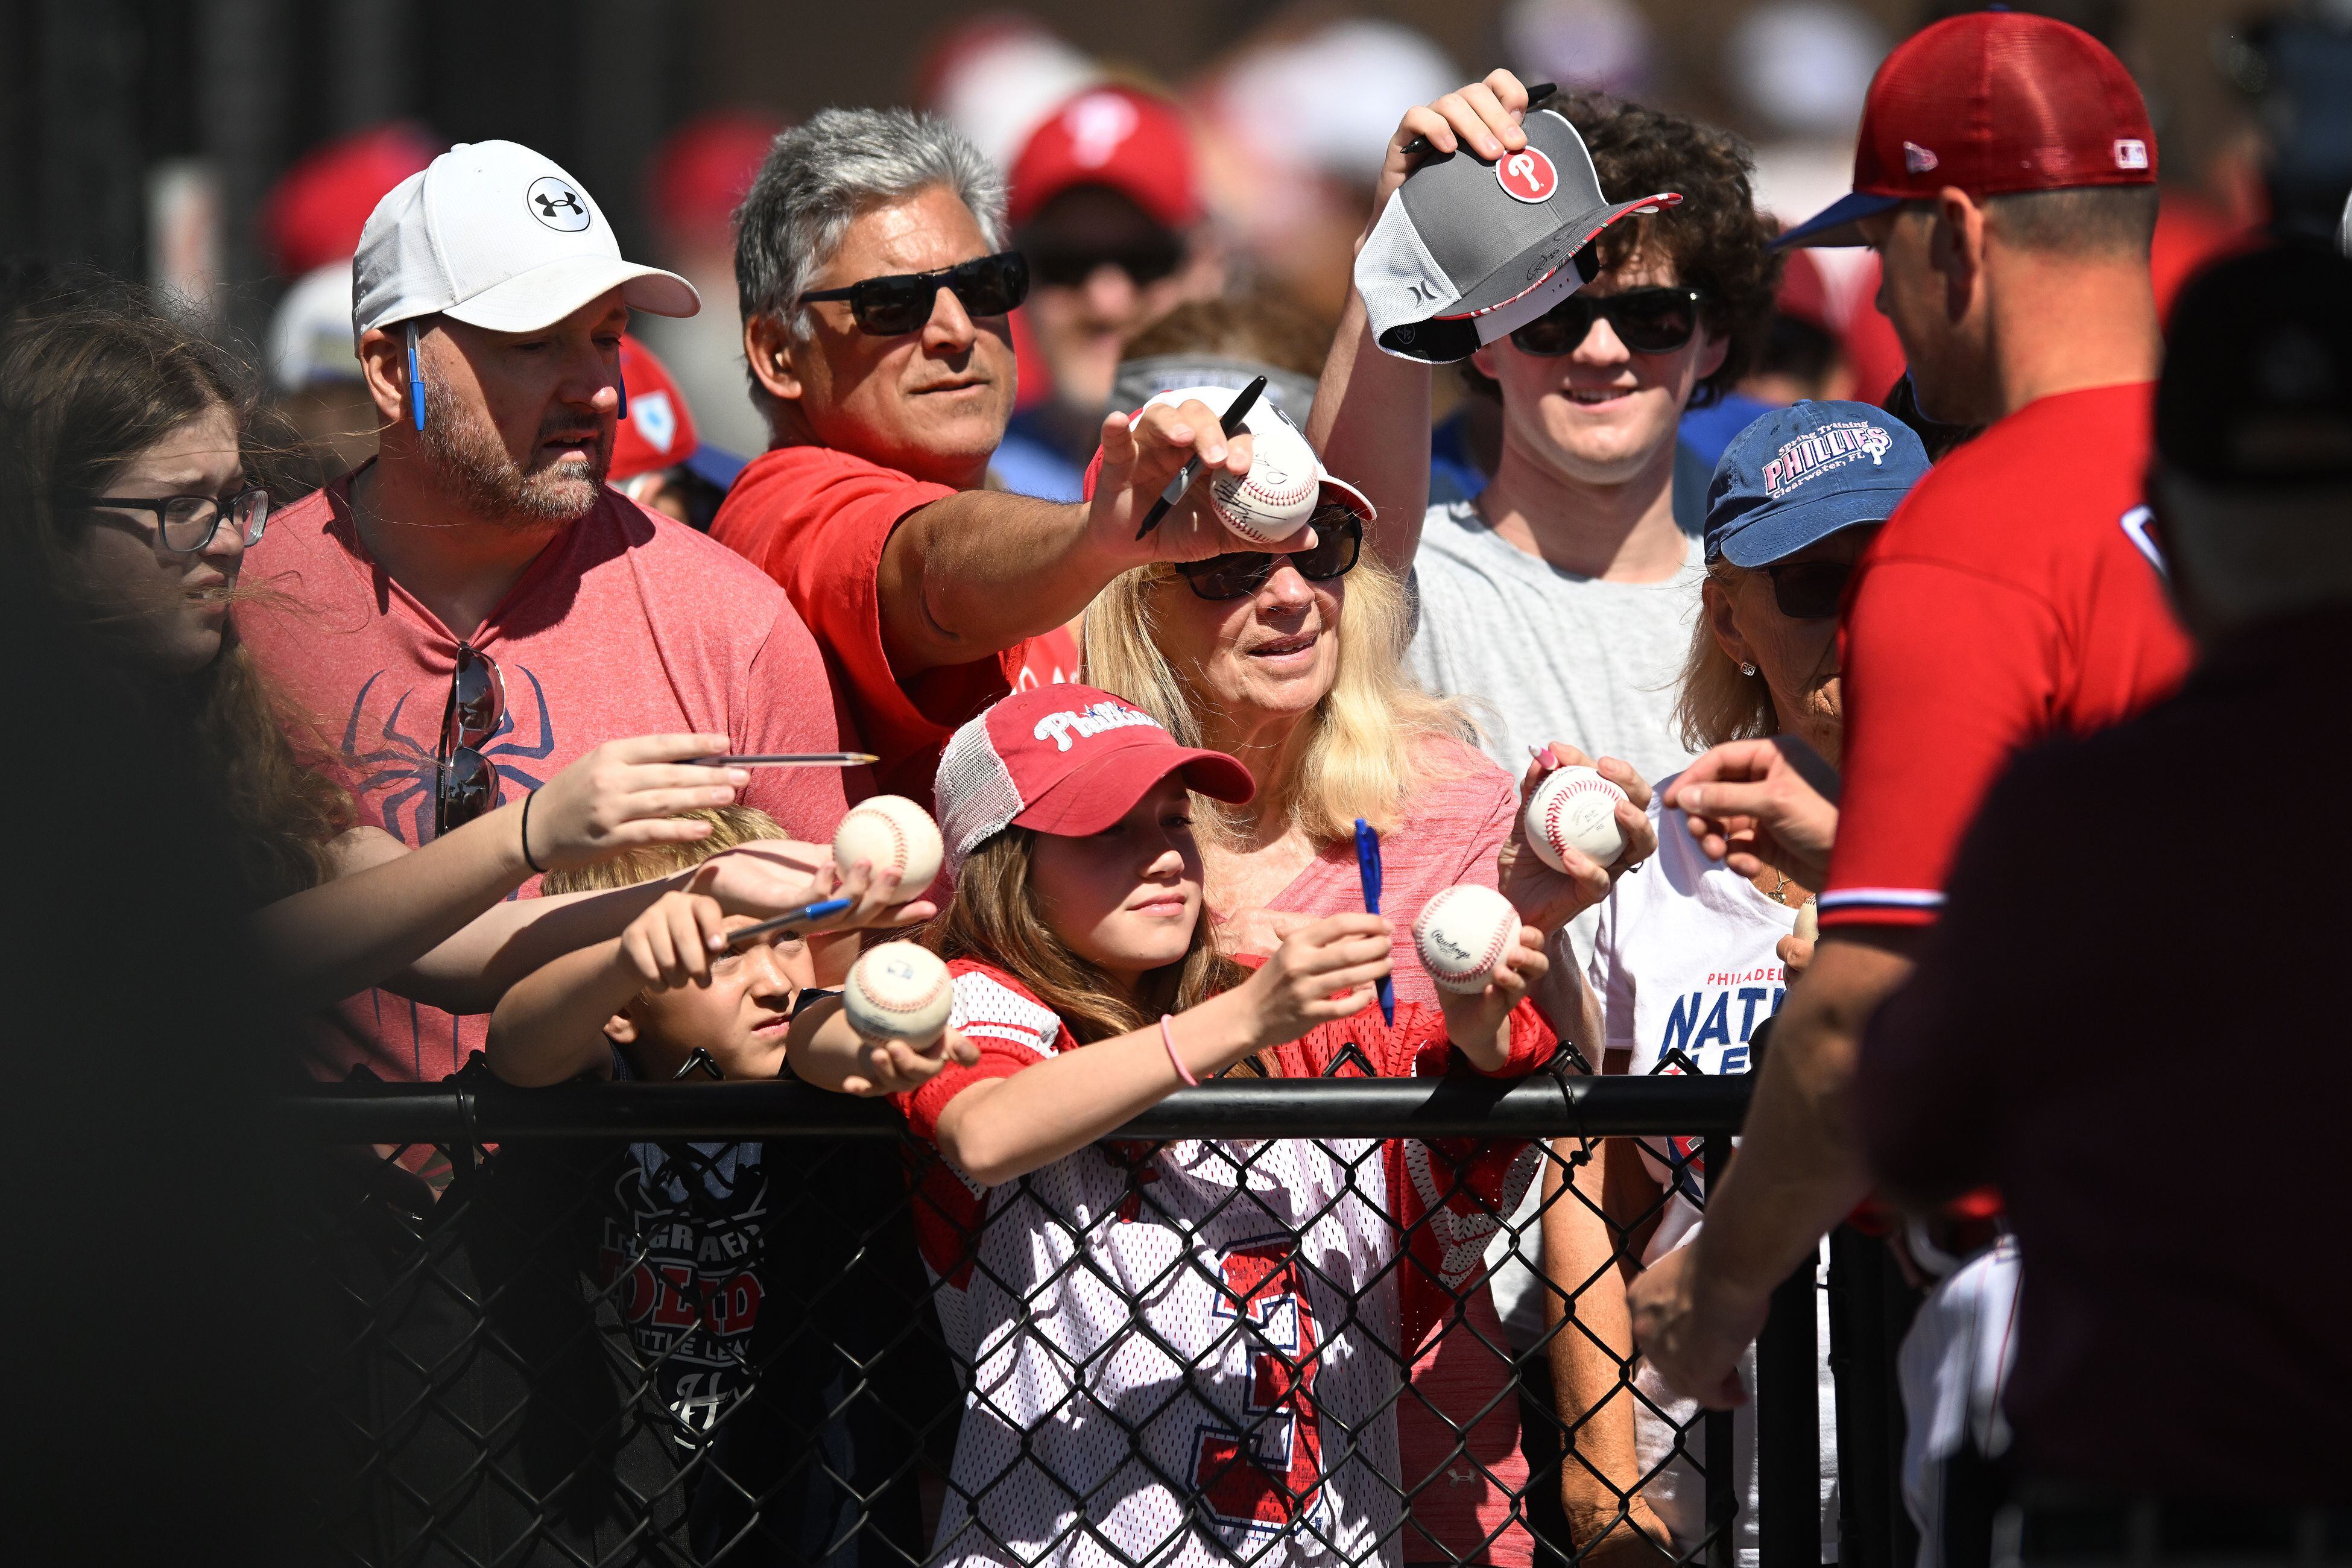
(1368, 869)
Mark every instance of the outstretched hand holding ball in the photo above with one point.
(894, 835)
(897, 998)
(1482, 961)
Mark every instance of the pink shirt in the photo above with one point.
(629, 623)
(1452, 826)
(1451, 830)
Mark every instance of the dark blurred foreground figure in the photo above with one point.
(149, 1261)
(2080, 1008)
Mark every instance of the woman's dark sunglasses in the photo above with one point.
(1810, 590)
(1339, 540)
(467, 784)
(188, 523)
(1647, 320)
(900, 303)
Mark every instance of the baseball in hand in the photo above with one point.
(1575, 808)
(898, 992)
(1462, 934)
(896, 834)
(1277, 497)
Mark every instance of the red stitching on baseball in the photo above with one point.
(897, 839)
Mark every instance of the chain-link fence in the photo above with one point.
(755, 1323)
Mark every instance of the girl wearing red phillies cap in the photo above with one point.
(1178, 1352)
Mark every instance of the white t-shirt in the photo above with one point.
(1547, 654)
(1685, 966)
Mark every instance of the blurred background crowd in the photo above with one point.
(229, 150)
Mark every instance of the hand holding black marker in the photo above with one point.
(1236, 413)
(1419, 145)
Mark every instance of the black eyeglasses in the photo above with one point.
(477, 705)
(1810, 590)
(188, 523)
(900, 303)
(1339, 540)
(1647, 320)
(1145, 261)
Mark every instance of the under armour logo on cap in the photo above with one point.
(1527, 175)
(557, 204)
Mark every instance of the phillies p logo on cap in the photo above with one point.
(1527, 176)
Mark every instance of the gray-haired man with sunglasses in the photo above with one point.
(875, 289)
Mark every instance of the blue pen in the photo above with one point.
(1367, 871)
(823, 909)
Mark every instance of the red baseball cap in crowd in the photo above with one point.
(1066, 760)
(658, 431)
(313, 214)
(1136, 143)
(1992, 102)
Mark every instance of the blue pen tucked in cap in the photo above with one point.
(1802, 473)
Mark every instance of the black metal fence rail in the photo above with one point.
(471, 1115)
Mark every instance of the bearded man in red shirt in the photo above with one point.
(2006, 176)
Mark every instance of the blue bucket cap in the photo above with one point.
(1802, 473)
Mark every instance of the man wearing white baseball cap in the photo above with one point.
(467, 613)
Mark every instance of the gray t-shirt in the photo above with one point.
(1545, 655)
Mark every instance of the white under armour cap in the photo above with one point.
(497, 236)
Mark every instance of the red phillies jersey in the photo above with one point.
(1148, 1324)
(816, 520)
(2013, 595)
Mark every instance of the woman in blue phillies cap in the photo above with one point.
(1687, 960)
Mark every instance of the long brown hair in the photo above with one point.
(993, 918)
(88, 378)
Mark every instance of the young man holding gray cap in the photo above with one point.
(2006, 175)
(475, 608)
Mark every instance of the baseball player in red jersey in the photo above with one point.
(2006, 176)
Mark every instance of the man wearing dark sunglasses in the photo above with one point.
(876, 286)
(1567, 582)
(1105, 207)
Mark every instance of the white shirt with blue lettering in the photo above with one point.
(1685, 964)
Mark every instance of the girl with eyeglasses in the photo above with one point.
(1691, 958)
(129, 484)
(1295, 664)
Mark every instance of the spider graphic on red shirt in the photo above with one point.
(411, 769)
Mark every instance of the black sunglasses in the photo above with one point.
(1145, 262)
(188, 523)
(468, 783)
(1339, 540)
(1647, 320)
(1810, 590)
(900, 303)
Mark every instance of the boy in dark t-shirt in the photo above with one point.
(766, 1445)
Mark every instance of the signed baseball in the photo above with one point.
(898, 991)
(1575, 808)
(1462, 934)
(896, 834)
(1277, 497)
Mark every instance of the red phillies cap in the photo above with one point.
(1136, 143)
(1064, 760)
(658, 432)
(1992, 102)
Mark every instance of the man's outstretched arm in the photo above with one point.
(972, 573)
(1799, 1171)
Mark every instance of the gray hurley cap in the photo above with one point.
(1468, 251)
